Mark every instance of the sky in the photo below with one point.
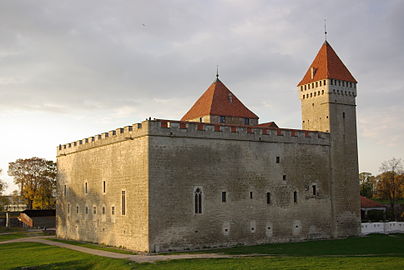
(72, 69)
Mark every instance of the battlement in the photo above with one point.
(182, 129)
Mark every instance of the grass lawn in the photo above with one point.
(15, 235)
(375, 252)
(39, 256)
(93, 246)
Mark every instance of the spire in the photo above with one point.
(327, 65)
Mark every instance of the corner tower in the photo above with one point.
(327, 93)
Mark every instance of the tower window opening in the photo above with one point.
(113, 210)
(314, 189)
(200, 119)
(311, 94)
(318, 93)
(86, 209)
(77, 209)
(251, 195)
(198, 201)
(312, 85)
(325, 82)
(246, 121)
(94, 210)
(68, 208)
(343, 115)
(284, 177)
(278, 159)
(123, 202)
(308, 86)
(103, 210)
(320, 83)
(222, 119)
(305, 87)
(316, 84)
(322, 92)
(104, 187)
(268, 198)
(301, 88)
(65, 190)
(224, 196)
(295, 197)
(339, 83)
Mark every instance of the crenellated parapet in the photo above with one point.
(182, 129)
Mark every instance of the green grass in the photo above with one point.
(282, 263)
(93, 246)
(372, 244)
(375, 252)
(16, 235)
(39, 256)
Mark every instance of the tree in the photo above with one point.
(390, 184)
(37, 180)
(367, 184)
(3, 199)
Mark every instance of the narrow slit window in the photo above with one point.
(86, 187)
(94, 210)
(278, 159)
(251, 194)
(224, 196)
(268, 197)
(295, 197)
(65, 190)
(284, 177)
(113, 210)
(104, 187)
(314, 189)
(103, 210)
(198, 201)
(123, 202)
(77, 209)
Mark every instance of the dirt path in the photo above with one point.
(135, 258)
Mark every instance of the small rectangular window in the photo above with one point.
(268, 198)
(278, 159)
(222, 119)
(86, 209)
(295, 197)
(325, 82)
(65, 190)
(314, 188)
(68, 208)
(123, 201)
(103, 210)
(104, 187)
(113, 210)
(94, 210)
(224, 196)
(251, 195)
(284, 177)
(77, 209)
(86, 187)
(246, 121)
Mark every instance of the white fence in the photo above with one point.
(382, 227)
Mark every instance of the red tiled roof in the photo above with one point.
(218, 100)
(327, 65)
(268, 125)
(367, 203)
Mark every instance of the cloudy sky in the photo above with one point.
(73, 69)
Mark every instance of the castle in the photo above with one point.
(217, 177)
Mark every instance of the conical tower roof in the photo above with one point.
(218, 100)
(327, 65)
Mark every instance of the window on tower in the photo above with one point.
(222, 119)
(246, 121)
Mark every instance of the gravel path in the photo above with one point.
(135, 258)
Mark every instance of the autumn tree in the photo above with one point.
(37, 180)
(3, 199)
(390, 183)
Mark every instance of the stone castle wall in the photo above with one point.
(159, 164)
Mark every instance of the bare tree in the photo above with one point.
(390, 185)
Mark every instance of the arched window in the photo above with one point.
(198, 201)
